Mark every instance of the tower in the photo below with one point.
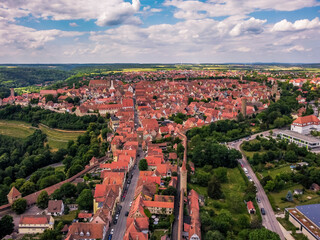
(111, 87)
(184, 175)
(11, 92)
(274, 88)
(244, 107)
(13, 195)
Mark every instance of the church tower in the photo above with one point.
(244, 107)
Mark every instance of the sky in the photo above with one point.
(163, 31)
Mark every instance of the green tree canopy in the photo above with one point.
(143, 165)
(85, 200)
(43, 199)
(19, 206)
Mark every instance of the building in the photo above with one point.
(250, 207)
(13, 195)
(300, 139)
(82, 231)
(33, 224)
(307, 219)
(55, 207)
(306, 124)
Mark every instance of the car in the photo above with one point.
(115, 221)
(112, 231)
(258, 200)
(129, 181)
(263, 212)
(130, 204)
(127, 214)
(110, 237)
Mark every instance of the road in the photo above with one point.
(120, 227)
(269, 220)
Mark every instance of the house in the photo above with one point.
(315, 187)
(297, 192)
(83, 231)
(33, 224)
(55, 207)
(13, 195)
(251, 208)
(306, 124)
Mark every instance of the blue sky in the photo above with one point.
(167, 31)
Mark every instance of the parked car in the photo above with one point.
(110, 237)
(130, 204)
(129, 181)
(258, 200)
(127, 214)
(115, 221)
(117, 216)
(263, 212)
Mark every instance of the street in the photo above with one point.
(268, 220)
(120, 227)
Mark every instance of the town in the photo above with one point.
(148, 183)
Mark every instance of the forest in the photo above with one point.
(20, 159)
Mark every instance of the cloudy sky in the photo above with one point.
(163, 31)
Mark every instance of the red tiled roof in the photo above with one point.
(34, 219)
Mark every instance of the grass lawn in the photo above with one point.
(59, 138)
(56, 138)
(15, 129)
(315, 198)
(233, 192)
(68, 217)
(299, 236)
(274, 172)
(158, 233)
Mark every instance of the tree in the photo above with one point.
(27, 188)
(263, 234)
(143, 165)
(216, 235)
(214, 188)
(180, 150)
(221, 174)
(43, 199)
(289, 196)
(270, 186)
(171, 191)
(85, 200)
(19, 206)
(243, 221)
(290, 156)
(6, 226)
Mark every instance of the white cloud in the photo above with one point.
(299, 25)
(254, 26)
(106, 12)
(195, 9)
(297, 48)
(73, 24)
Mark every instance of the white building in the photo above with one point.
(300, 139)
(306, 124)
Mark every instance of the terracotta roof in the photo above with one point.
(307, 119)
(34, 219)
(54, 206)
(13, 192)
(79, 230)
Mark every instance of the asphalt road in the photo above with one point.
(120, 227)
(268, 220)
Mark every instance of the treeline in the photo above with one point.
(222, 131)
(36, 115)
(19, 159)
(26, 76)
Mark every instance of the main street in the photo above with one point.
(120, 227)
(268, 220)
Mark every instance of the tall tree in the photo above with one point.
(85, 200)
(6, 226)
(214, 188)
(43, 199)
(19, 206)
(143, 165)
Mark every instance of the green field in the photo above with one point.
(314, 198)
(16, 129)
(56, 138)
(233, 190)
(274, 172)
(59, 138)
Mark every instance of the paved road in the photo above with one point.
(120, 227)
(269, 220)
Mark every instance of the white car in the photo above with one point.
(117, 216)
(112, 231)
(130, 204)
